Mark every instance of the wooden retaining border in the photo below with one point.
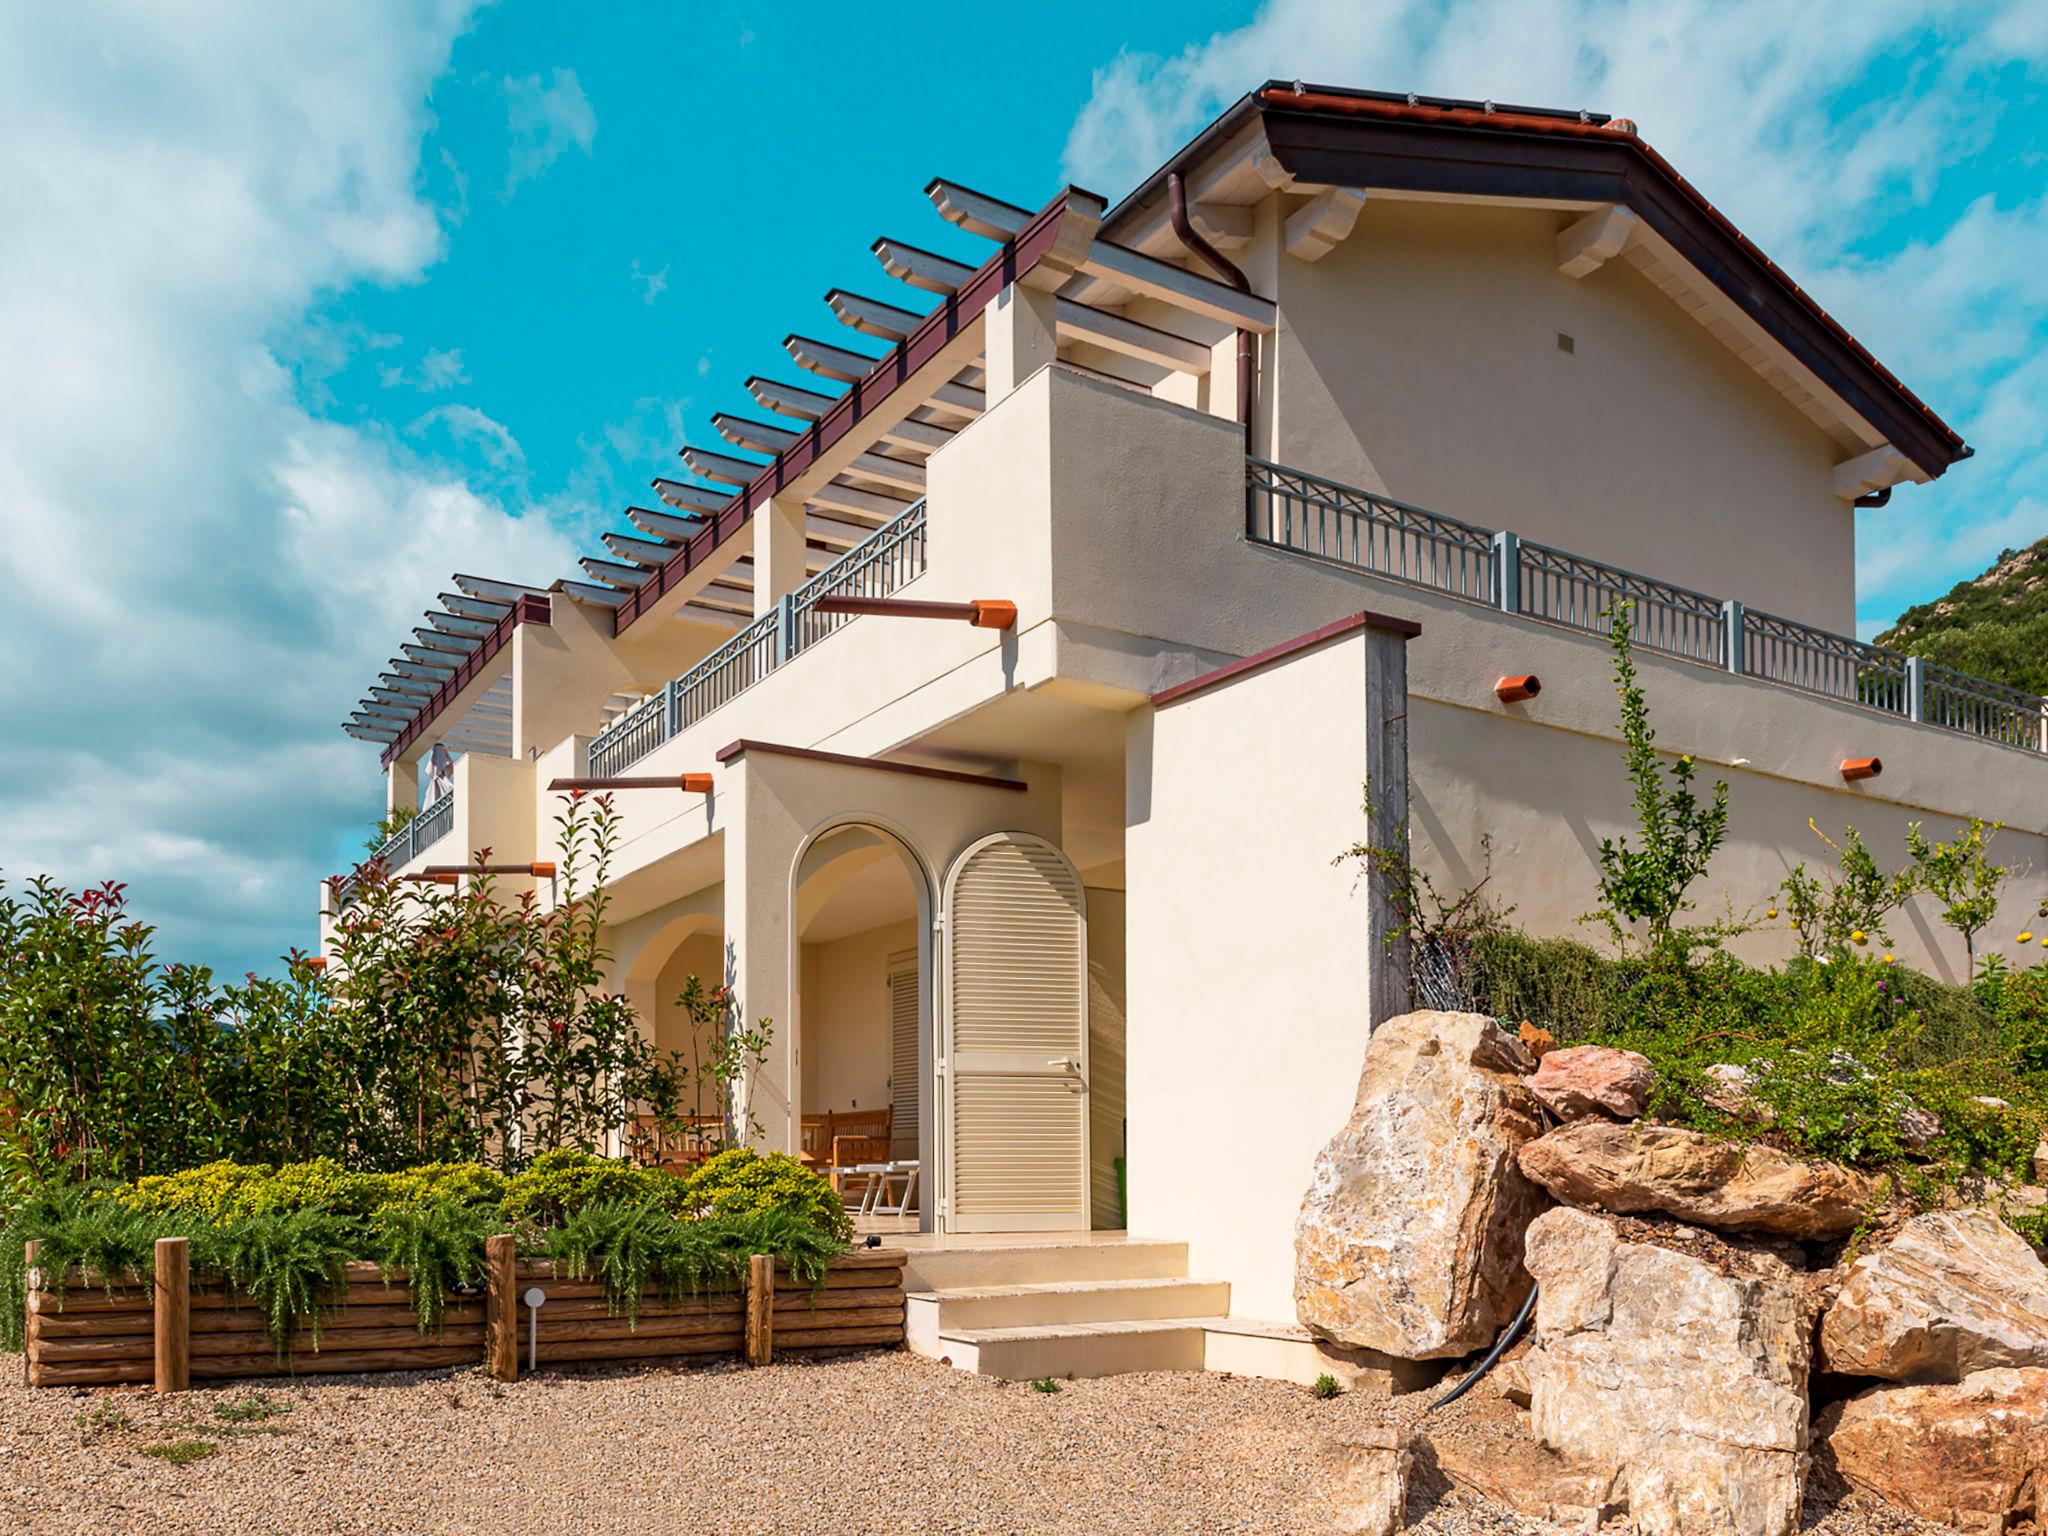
(183, 1330)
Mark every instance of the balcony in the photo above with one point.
(434, 822)
(889, 559)
(1290, 510)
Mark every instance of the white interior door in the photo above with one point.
(1013, 1068)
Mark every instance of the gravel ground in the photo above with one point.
(862, 1445)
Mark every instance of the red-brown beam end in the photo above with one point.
(1854, 768)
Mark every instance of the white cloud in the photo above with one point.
(547, 121)
(1823, 131)
(468, 425)
(202, 573)
(651, 284)
(438, 369)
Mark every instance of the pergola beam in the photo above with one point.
(627, 576)
(584, 592)
(721, 466)
(663, 525)
(921, 268)
(847, 498)
(871, 317)
(826, 360)
(789, 399)
(744, 432)
(875, 466)
(685, 497)
(638, 551)
(1131, 338)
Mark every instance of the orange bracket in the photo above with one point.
(1513, 690)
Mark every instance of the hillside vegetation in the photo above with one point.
(1994, 625)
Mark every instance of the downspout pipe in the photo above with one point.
(1177, 211)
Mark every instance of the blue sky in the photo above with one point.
(301, 310)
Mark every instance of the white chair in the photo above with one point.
(876, 1203)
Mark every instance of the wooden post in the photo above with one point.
(760, 1308)
(30, 1331)
(501, 1309)
(173, 1314)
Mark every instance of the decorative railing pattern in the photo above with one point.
(1354, 527)
(1307, 515)
(875, 567)
(886, 560)
(434, 822)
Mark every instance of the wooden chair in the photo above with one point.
(677, 1144)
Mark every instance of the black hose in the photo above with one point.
(1500, 1346)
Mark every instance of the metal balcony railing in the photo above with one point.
(1291, 510)
(889, 558)
(434, 822)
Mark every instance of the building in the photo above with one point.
(1037, 659)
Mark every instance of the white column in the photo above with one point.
(758, 850)
(1021, 337)
(778, 550)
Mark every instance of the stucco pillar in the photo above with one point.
(778, 550)
(760, 844)
(562, 672)
(1021, 337)
(402, 783)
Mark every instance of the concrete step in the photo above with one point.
(1044, 1263)
(1076, 1349)
(1075, 1301)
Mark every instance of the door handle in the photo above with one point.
(1065, 1061)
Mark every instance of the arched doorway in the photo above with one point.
(860, 978)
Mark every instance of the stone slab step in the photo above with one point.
(1075, 1301)
(1044, 1263)
(1076, 1349)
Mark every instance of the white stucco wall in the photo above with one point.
(1247, 1010)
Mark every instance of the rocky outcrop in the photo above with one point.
(1631, 1169)
(1688, 1383)
(1586, 1080)
(1972, 1454)
(1540, 1042)
(1410, 1238)
(1955, 1292)
(1368, 1493)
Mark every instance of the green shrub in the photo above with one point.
(559, 1184)
(743, 1181)
(627, 1247)
(1840, 1053)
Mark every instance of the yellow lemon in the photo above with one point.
(2027, 937)
(1858, 936)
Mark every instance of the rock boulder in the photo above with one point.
(1410, 1238)
(1630, 1169)
(1690, 1384)
(1582, 1081)
(1973, 1454)
(1369, 1490)
(1955, 1292)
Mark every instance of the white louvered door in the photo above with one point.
(904, 1097)
(1015, 1038)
